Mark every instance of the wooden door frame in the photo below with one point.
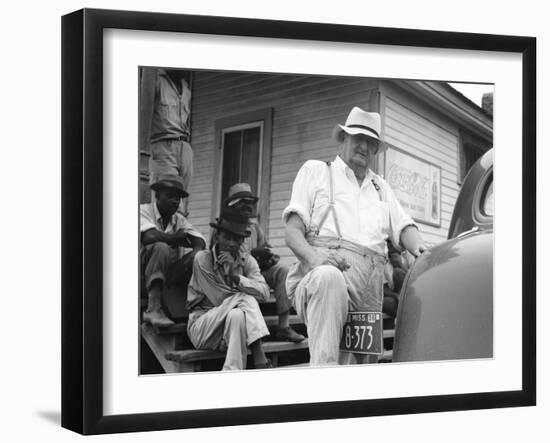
(265, 116)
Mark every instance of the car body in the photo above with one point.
(446, 303)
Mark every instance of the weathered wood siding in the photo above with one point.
(305, 110)
(420, 131)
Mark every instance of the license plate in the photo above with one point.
(363, 333)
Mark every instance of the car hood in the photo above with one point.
(446, 303)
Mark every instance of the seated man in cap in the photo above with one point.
(337, 221)
(223, 296)
(241, 198)
(164, 235)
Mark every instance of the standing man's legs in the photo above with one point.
(172, 157)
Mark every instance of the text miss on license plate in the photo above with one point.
(363, 333)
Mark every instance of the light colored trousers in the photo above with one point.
(236, 323)
(323, 297)
(171, 157)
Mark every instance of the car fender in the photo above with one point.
(446, 303)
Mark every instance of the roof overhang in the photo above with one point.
(453, 104)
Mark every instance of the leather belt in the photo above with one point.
(183, 137)
(180, 138)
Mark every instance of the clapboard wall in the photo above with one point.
(423, 132)
(305, 110)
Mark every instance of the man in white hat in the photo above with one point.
(337, 221)
(242, 199)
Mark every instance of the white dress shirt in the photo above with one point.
(365, 215)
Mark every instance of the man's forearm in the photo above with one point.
(155, 236)
(253, 286)
(295, 240)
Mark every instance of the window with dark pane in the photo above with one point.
(241, 156)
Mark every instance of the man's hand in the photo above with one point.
(264, 257)
(309, 256)
(230, 266)
(179, 238)
(338, 261)
(419, 250)
(412, 241)
(332, 259)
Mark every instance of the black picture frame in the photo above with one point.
(82, 220)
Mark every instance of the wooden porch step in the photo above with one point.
(270, 347)
(270, 320)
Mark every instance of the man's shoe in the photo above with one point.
(157, 319)
(266, 365)
(288, 334)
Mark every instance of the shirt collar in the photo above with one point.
(158, 217)
(342, 166)
(162, 72)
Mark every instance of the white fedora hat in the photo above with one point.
(362, 122)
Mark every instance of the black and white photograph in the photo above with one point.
(292, 221)
(275, 221)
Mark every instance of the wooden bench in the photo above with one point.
(190, 360)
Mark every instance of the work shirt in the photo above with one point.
(171, 110)
(210, 285)
(150, 218)
(257, 238)
(366, 216)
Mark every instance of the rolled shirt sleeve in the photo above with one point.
(146, 218)
(303, 193)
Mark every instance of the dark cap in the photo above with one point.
(174, 182)
(231, 220)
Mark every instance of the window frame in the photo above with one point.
(264, 119)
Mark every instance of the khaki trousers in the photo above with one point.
(323, 296)
(236, 323)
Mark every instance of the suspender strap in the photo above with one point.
(331, 207)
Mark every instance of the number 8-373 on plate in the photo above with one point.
(363, 333)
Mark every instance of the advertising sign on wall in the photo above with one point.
(417, 185)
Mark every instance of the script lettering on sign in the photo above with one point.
(416, 184)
